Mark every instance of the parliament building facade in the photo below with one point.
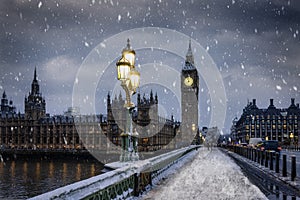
(35, 129)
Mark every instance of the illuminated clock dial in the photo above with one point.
(188, 81)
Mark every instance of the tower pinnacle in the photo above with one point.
(34, 74)
(189, 55)
(35, 88)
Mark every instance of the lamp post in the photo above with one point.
(130, 80)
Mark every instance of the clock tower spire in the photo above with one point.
(189, 55)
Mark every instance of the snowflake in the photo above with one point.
(278, 87)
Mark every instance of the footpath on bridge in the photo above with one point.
(210, 175)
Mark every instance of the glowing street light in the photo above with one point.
(130, 81)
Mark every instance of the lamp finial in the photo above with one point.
(128, 44)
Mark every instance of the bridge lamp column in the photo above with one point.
(130, 81)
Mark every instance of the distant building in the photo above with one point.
(272, 123)
(37, 130)
(233, 132)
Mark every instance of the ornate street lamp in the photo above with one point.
(130, 81)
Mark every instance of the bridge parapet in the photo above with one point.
(128, 179)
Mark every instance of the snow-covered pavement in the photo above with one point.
(211, 175)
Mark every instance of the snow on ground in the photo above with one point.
(211, 175)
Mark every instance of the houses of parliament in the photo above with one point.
(35, 129)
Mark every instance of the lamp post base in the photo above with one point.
(135, 156)
(125, 156)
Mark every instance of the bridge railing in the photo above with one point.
(267, 159)
(130, 179)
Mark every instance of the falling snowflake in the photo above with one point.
(40, 4)
(295, 88)
(242, 66)
(174, 84)
(278, 87)
(102, 45)
(284, 81)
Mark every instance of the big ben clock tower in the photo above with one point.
(189, 99)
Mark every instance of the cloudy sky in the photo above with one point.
(254, 44)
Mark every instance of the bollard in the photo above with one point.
(249, 154)
(284, 197)
(261, 157)
(284, 165)
(136, 185)
(277, 163)
(266, 158)
(293, 170)
(271, 160)
(258, 156)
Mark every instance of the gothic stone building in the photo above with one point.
(37, 130)
(272, 123)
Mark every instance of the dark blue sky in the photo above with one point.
(254, 44)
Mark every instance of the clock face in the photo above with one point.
(188, 81)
